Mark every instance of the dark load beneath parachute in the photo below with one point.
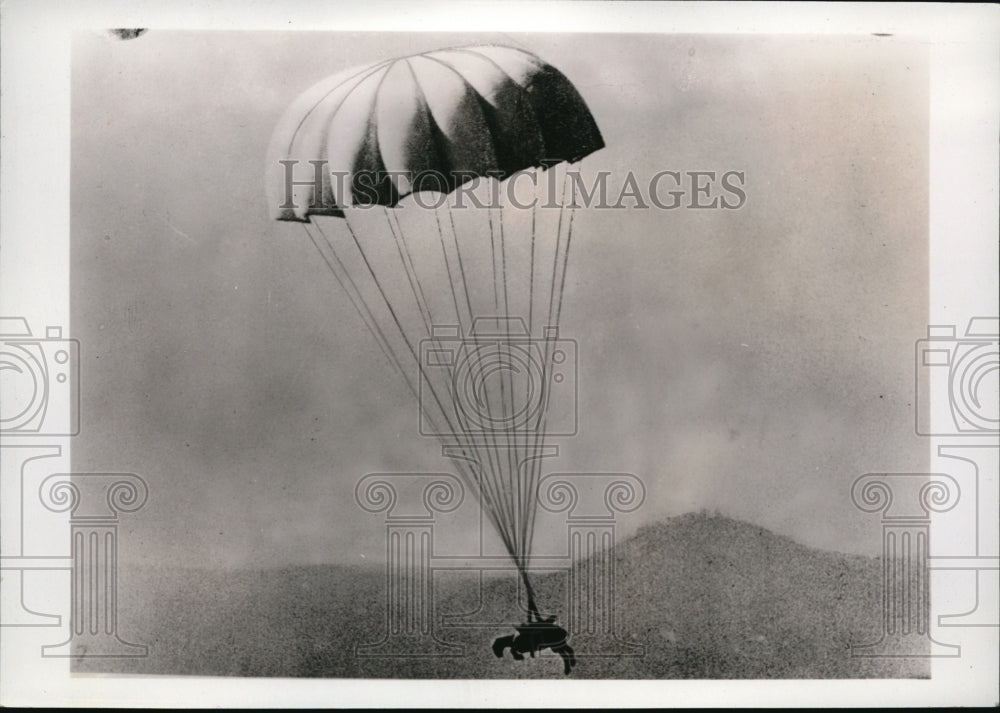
(343, 157)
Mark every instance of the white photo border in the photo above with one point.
(34, 283)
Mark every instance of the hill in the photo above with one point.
(697, 596)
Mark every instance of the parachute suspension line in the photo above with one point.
(461, 265)
(539, 436)
(411, 273)
(528, 463)
(344, 279)
(491, 495)
(506, 388)
(552, 284)
(494, 466)
(487, 490)
(470, 479)
(513, 457)
(533, 468)
(341, 274)
(492, 453)
(491, 465)
(562, 289)
(413, 277)
(447, 267)
(562, 282)
(504, 505)
(552, 321)
(506, 485)
(484, 490)
(508, 490)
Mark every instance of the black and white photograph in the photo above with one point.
(343, 359)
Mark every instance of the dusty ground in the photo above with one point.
(696, 597)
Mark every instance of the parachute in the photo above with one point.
(385, 166)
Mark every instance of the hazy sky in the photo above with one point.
(754, 361)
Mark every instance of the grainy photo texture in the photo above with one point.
(499, 355)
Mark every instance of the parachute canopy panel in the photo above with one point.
(438, 119)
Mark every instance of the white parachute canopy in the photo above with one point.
(434, 189)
